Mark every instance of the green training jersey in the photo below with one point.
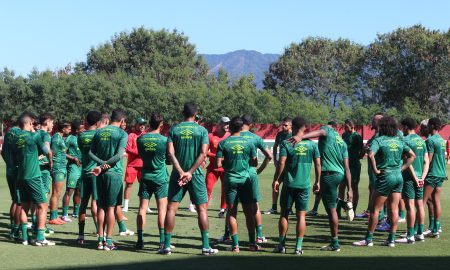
(59, 149)
(26, 154)
(333, 151)
(299, 159)
(84, 143)
(188, 139)
(7, 148)
(281, 136)
(72, 146)
(46, 138)
(388, 152)
(257, 141)
(236, 152)
(355, 145)
(152, 149)
(417, 144)
(436, 146)
(106, 144)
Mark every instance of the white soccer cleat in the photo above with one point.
(149, 211)
(66, 219)
(350, 212)
(419, 237)
(125, 209)
(209, 251)
(401, 220)
(363, 243)
(406, 240)
(387, 243)
(427, 233)
(126, 233)
(192, 208)
(44, 243)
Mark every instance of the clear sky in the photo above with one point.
(50, 34)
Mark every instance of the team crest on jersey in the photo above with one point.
(419, 143)
(300, 150)
(150, 146)
(104, 136)
(237, 149)
(393, 147)
(186, 134)
(20, 143)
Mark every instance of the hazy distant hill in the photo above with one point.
(241, 62)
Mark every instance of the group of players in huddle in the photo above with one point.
(405, 172)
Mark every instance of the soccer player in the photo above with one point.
(59, 170)
(295, 163)
(335, 170)
(235, 154)
(187, 146)
(385, 155)
(437, 172)
(355, 147)
(413, 180)
(107, 149)
(11, 174)
(284, 134)
(46, 122)
(29, 180)
(134, 162)
(212, 172)
(152, 148)
(88, 182)
(73, 173)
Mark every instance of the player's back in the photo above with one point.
(26, 145)
(332, 150)
(152, 149)
(84, 144)
(106, 143)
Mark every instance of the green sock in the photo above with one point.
(76, 209)
(416, 227)
(33, 220)
(335, 241)
(402, 214)
(65, 210)
(81, 227)
(420, 228)
(391, 237)
(282, 240)
(53, 214)
(40, 235)
(299, 243)
(410, 232)
(227, 231)
(369, 236)
(235, 239)
(274, 206)
(431, 223)
(252, 238)
(259, 232)
(24, 230)
(140, 235)
(167, 238)
(109, 241)
(101, 239)
(161, 235)
(205, 239)
(437, 226)
(122, 226)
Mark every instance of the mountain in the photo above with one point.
(240, 63)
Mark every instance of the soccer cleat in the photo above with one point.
(261, 240)
(427, 233)
(126, 233)
(233, 249)
(125, 209)
(298, 252)
(56, 221)
(25, 242)
(110, 247)
(401, 220)
(74, 216)
(100, 246)
(222, 213)
(254, 247)
(387, 243)
(330, 248)
(224, 240)
(149, 211)
(436, 235)
(364, 214)
(279, 249)
(348, 207)
(312, 213)
(192, 208)
(66, 219)
(383, 227)
(406, 240)
(161, 246)
(44, 243)
(363, 243)
(80, 240)
(419, 237)
(209, 251)
(139, 245)
(164, 251)
(271, 211)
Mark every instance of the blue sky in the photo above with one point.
(50, 34)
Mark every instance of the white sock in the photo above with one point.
(125, 203)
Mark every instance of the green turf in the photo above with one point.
(431, 253)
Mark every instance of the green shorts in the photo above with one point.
(372, 178)
(73, 176)
(109, 189)
(329, 182)
(235, 192)
(88, 186)
(32, 190)
(255, 184)
(148, 187)
(389, 182)
(355, 170)
(434, 182)
(411, 191)
(11, 178)
(46, 180)
(196, 188)
(59, 176)
(299, 196)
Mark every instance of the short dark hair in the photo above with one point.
(190, 109)
(118, 115)
(24, 118)
(45, 117)
(93, 117)
(298, 122)
(409, 123)
(155, 120)
(63, 124)
(332, 123)
(286, 119)
(76, 125)
(388, 126)
(247, 119)
(435, 123)
(349, 123)
(236, 124)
